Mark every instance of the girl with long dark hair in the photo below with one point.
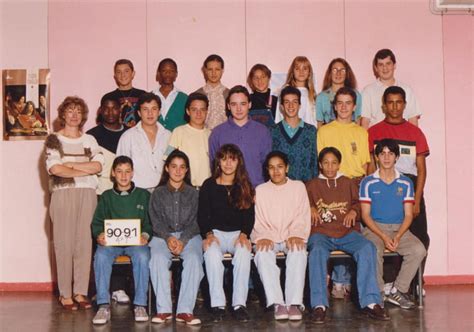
(226, 217)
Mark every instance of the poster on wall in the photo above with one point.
(26, 104)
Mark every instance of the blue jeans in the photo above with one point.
(215, 269)
(342, 271)
(104, 259)
(363, 252)
(191, 275)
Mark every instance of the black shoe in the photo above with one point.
(318, 315)
(377, 313)
(241, 314)
(217, 314)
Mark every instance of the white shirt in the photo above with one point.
(372, 102)
(147, 161)
(166, 102)
(307, 110)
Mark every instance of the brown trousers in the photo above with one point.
(71, 212)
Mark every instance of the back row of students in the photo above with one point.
(315, 108)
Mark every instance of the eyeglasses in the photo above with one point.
(336, 70)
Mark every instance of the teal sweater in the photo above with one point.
(113, 205)
(175, 115)
(301, 150)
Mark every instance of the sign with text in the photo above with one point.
(122, 232)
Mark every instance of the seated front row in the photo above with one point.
(282, 220)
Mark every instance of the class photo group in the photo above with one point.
(245, 172)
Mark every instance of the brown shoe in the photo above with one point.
(82, 301)
(377, 313)
(318, 315)
(68, 306)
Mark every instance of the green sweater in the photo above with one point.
(115, 205)
(175, 115)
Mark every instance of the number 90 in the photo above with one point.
(114, 232)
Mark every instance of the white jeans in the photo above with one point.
(215, 269)
(296, 261)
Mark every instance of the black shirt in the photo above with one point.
(264, 101)
(106, 138)
(127, 100)
(263, 108)
(216, 212)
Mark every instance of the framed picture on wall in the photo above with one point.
(26, 104)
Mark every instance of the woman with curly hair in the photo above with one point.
(226, 218)
(73, 160)
(339, 74)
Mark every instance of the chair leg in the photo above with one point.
(420, 286)
(149, 297)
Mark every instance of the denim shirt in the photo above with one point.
(174, 210)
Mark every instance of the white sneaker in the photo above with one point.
(140, 314)
(120, 297)
(102, 316)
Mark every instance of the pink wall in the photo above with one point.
(459, 95)
(81, 41)
(25, 228)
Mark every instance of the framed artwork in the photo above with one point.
(26, 104)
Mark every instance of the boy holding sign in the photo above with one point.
(121, 227)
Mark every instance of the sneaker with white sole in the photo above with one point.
(102, 316)
(281, 312)
(189, 319)
(140, 314)
(294, 312)
(401, 299)
(120, 297)
(162, 318)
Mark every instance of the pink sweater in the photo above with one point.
(281, 212)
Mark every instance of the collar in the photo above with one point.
(300, 124)
(338, 175)
(279, 186)
(395, 83)
(139, 127)
(329, 91)
(158, 92)
(173, 189)
(219, 87)
(322, 177)
(376, 174)
(113, 130)
(394, 124)
(125, 192)
(231, 121)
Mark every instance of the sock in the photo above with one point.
(372, 305)
(393, 290)
(322, 307)
(338, 286)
